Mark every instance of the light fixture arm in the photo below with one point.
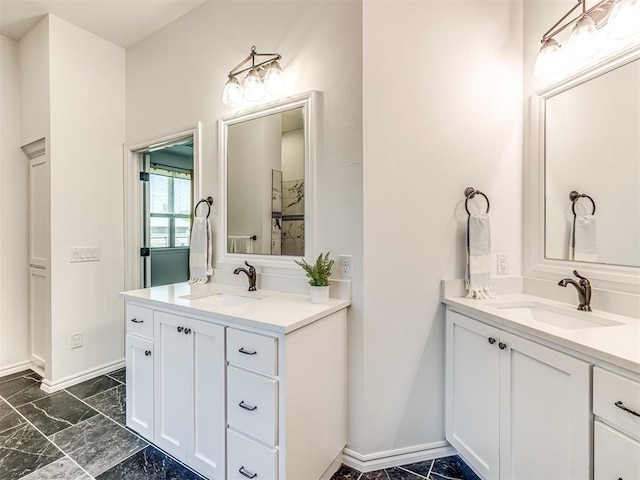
(552, 32)
(237, 70)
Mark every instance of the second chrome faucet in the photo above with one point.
(583, 286)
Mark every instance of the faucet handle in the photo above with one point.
(251, 267)
(582, 279)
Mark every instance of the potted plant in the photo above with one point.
(318, 273)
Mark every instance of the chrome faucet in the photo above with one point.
(251, 275)
(584, 290)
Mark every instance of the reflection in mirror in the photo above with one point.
(265, 185)
(592, 148)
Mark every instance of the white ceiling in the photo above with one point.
(123, 22)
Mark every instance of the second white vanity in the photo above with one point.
(537, 389)
(238, 384)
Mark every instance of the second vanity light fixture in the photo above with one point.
(265, 75)
(622, 18)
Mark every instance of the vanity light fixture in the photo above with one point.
(263, 76)
(621, 17)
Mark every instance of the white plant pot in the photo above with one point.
(319, 294)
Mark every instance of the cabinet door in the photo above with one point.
(140, 385)
(173, 384)
(545, 424)
(206, 450)
(616, 456)
(472, 392)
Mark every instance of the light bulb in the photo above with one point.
(273, 82)
(549, 62)
(253, 89)
(624, 20)
(584, 41)
(232, 93)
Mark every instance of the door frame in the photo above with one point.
(133, 234)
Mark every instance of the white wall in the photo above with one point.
(442, 111)
(87, 131)
(14, 216)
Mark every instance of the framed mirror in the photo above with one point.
(584, 174)
(267, 176)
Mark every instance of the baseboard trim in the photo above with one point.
(15, 368)
(333, 468)
(395, 458)
(52, 387)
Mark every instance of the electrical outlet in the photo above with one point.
(76, 340)
(345, 266)
(503, 264)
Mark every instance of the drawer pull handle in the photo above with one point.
(491, 340)
(621, 406)
(180, 329)
(246, 352)
(147, 353)
(247, 473)
(246, 406)
(135, 320)
(502, 345)
(187, 331)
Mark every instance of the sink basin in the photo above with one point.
(225, 298)
(556, 316)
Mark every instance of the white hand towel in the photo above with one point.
(477, 278)
(239, 244)
(201, 251)
(582, 240)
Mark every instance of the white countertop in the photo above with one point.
(269, 310)
(618, 344)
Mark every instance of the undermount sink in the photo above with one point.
(225, 298)
(556, 316)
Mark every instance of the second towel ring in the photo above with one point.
(208, 201)
(471, 192)
(575, 196)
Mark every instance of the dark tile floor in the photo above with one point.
(75, 434)
(79, 434)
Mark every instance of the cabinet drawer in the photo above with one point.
(611, 392)
(249, 459)
(140, 320)
(252, 404)
(252, 351)
(615, 454)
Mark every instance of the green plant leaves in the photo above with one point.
(320, 271)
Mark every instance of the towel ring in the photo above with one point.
(208, 201)
(471, 192)
(575, 196)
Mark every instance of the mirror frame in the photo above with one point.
(536, 265)
(308, 101)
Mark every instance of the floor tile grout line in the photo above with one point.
(433, 462)
(100, 393)
(415, 473)
(28, 422)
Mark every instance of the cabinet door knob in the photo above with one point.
(621, 406)
(180, 329)
(502, 345)
(147, 353)
(247, 352)
(491, 340)
(135, 320)
(187, 331)
(247, 473)
(246, 406)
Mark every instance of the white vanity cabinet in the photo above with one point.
(616, 406)
(514, 408)
(235, 401)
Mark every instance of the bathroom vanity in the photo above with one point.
(537, 389)
(238, 384)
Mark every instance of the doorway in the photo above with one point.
(157, 226)
(167, 201)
